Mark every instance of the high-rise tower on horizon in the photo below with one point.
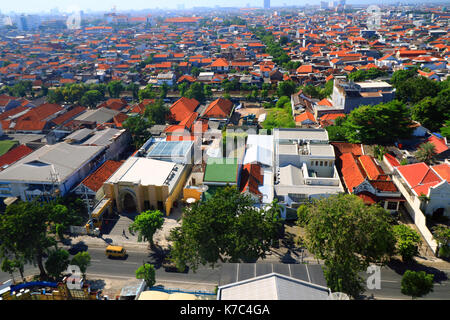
(266, 4)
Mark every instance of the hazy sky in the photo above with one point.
(100, 5)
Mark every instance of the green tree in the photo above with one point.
(183, 87)
(401, 76)
(163, 90)
(379, 124)
(23, 232)
(445, 130)
(426, 152)
(415, 89)
(195, 72)
(9, 267)
(416, 283)
(134, 88)
(284, 103)
(57, 262)
(431, 112)
(146, 272)
(146, 224)
(441, 233)
(21, 89)
(55, 96)
(286, 88)
(147, 93)
(226, 227)
(195, 91)
(82, 260)
(303, 215)
(349, 236)
(156, 112)
(336, 133)
(379, 152)
(408, 241)
(363, 75)
(91, 98)
(114, 88)
(138, 127)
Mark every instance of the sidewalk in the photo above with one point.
(116, 236)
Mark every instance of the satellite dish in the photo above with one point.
(339, 296)
(74, 21)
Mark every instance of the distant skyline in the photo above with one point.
(33, 6)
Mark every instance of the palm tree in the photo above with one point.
(426, 152)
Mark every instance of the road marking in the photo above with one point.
(95, 260)
(307, 272)
(390, 281)
(135, 263)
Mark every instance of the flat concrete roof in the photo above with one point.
(301, 134)
(61, 158)
(146, 172)
(321, 150)
(374, 84)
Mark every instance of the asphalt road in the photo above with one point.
(103, 267)
(390, 285)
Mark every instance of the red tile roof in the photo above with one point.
(344, 147)
(305, 69)
(419, 176)
(443, 170)
(251, 177)
(219, 108)
(372, 170)
(439, 144)
(68, 115)
(183, 108)
(392, 160)
(95, 180)
(352, 174)
(305, 116)
(14, 155)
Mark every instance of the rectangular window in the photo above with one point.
(392, 205)
(321, 163)
(317, 163)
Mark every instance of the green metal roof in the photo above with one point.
(221, 170)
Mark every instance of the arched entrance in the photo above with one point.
(128, 200)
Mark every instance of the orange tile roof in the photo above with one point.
(96, 179)
(182, 108)
(219, 108)
(14, 155)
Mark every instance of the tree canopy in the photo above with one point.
(379, 124)
(146, 224)
(407, 241)
(226, 227)
(349, 236)
(146, 272)
(416, 283)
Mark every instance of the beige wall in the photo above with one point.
(151, 193)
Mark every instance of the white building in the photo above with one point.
(305, 167)
(50, 170)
